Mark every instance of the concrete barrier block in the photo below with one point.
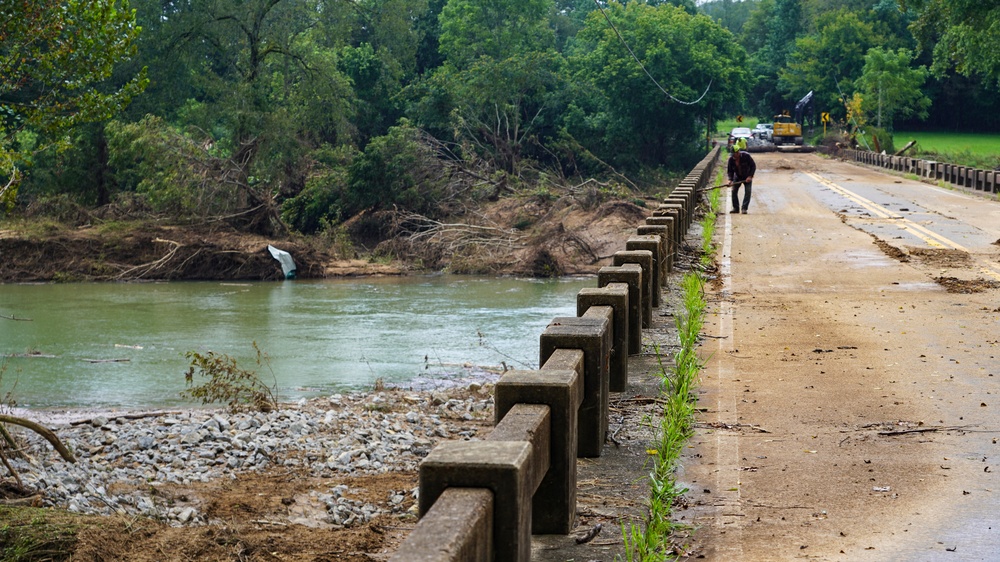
(505, 468)
(593, 337)
(980, 182)
(631, 276)
(688, 193)
(675, 210)
(531, 423)
(553, 507)
(685, 207)
(674, 229)
(615, 296)
(666, 257)
(565, 360)
(651, 244)
(459, 526)
(677, 198)
(606, 313)
(644, 259)
(678, 229)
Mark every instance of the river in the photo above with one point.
(99, 345)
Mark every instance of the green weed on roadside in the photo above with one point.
(708, 222)
(653, 543)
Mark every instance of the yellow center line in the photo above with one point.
(874, 208)
(933, 239)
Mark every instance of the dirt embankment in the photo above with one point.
(531, 235)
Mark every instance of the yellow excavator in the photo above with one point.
(788, 129)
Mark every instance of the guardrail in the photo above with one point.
(987, 181)
(482, 500)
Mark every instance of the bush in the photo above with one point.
(239, 389)
(883, 137)
(151, 158)
(395, 169)
(322, 201)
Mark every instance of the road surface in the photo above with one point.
(851, 396)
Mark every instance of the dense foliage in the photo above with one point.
(55, 56)
(301, 114)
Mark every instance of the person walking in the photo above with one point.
(741, 169)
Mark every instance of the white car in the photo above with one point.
(764, 131)
(740, 133)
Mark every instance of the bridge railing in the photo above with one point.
(969, 177)
(482, 500)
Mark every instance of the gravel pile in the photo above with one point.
(121, 461)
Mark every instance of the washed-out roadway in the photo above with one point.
(851, 395)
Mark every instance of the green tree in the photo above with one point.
(499, 29)
(829, 60)
(731, 14)
(375, 82)
(891, 87)
(259, 81)
(620, 114)
(507, 108)
(392, 170)
(770, 35)
(961, 34)
(56, 59)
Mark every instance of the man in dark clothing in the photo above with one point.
(741, 169)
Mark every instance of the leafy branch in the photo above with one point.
(241, 390)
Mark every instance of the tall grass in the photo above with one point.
(653, 543)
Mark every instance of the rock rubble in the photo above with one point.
(122, 461)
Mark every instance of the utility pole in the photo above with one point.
(879, 119)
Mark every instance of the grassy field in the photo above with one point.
(971, 149)
(976, 143)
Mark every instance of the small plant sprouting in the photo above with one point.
(239, 389)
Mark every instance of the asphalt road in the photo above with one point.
(851, 393)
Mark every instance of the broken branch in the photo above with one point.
(45, 432)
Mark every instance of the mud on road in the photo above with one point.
(852, 405)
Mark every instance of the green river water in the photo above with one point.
(123, 345)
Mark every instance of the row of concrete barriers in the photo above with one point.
(482, 500)
(959, 176)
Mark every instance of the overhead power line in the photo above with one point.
(643, 67)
